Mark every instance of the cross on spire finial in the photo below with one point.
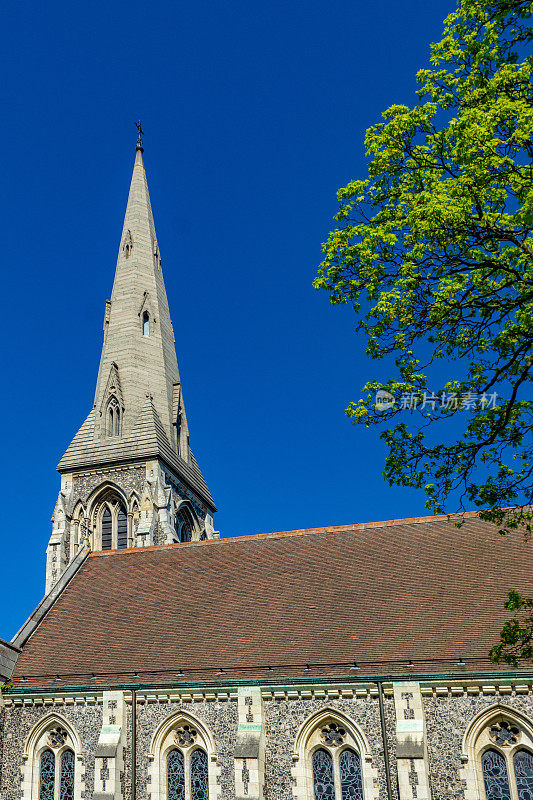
(140, 136)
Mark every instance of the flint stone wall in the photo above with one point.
(447, 718)
(130, 479)
(18, 722)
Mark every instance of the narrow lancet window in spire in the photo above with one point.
(146, 324)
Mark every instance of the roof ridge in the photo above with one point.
(351, 528)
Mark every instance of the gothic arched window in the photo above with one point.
(146, 323)
(107, 529)
(110, 521)
(183, 760)
(523, 772)
(335, 760)
(183, 525)
(499, 745)
(51, 753)
(350, 775)
(114, 417)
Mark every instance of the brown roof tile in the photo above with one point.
(381, 594)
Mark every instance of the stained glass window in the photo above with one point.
(66, 781)
(47, 775)
(323, 782)
(107, 528)
(523, 770)
(199, 775)
(350, 773)
(495, 776)
(122, 528)
(176, 775)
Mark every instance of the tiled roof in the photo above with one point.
(147, 440)
(381, 594)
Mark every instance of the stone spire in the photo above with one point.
(138, 404)
(138, 355)
(129, 478)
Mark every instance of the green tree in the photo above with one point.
(434, 250)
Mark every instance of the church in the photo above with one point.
(166, 662)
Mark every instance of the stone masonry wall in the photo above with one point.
(85, 717)
(130, 479)
(448, 711)
(219, 716)
(284, 718)
(447, 718)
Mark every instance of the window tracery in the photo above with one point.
(109, 521)
(498, 750)
(50, 755)
(183, 761)
(336, 760)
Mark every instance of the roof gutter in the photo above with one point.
(501, 675)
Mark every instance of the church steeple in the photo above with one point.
(134, 445)
(138, 336)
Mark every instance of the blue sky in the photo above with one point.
(254, 114)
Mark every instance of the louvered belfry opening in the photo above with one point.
(122, 528)
(107, 529)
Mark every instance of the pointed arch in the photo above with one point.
(348, 739)
(127, 244)
(195, 738)
(79, 526)
(146, 314)
(107, 506)
(112, 405)
(146, 323)
(486, 717)
(482, 737)
(55, 734)
(133, 499)
(186, 524)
